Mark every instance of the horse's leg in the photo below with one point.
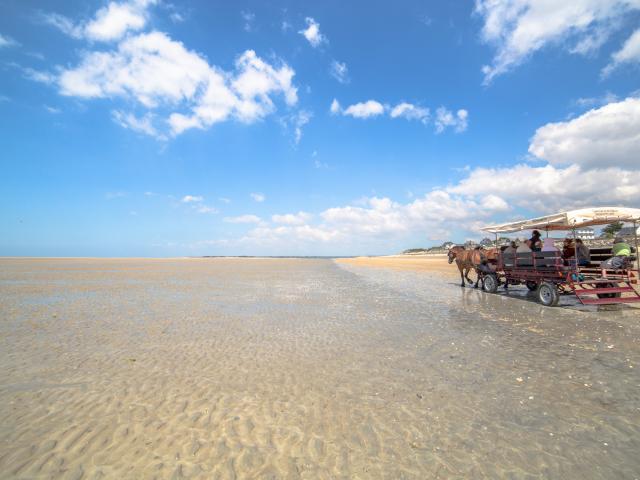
(466, 274)
(461, 269)
(478, 275)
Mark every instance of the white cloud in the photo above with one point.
(445, 118)
(410, 112)
(296, 121)
(224, 200)
(249, 18)
(192, 199)
(589, 102)
(376, 220)
(176, 17)
(629, 53)
(142, 124)
(258, 197)
(370, 108)
(608, 136)
(548, 188)
(206, 209)
(161, 73)
(243, 219)
(6, 41)
(64, 24)
(339, 71)
(335, 107)
(114, 20)
(519, 28)
(51, 109)
(299, 218)
(38, 76)
(312, 33)
(110, 23)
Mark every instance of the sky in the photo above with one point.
(157, 128)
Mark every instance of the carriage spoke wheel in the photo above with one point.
(490, 283)
(548, 294)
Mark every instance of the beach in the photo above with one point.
(306, 368)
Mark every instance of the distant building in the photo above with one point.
(586, 233)
(470, 244)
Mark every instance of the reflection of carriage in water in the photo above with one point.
(549, 274)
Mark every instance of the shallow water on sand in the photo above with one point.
(276, 368)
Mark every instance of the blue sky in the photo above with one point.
(150, 128)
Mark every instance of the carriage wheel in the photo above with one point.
(490, 283)
(531, 285)
(548, 294)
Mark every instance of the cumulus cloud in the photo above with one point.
(519, 28)
(629, 53)
(370, 108)
(257, 197)
(339, 71)
(312, 33)
(410, 112)
(608, 136)
(299, 218)
(243, 219)
(110, 23)
(160, 73)
(446, 118)
(376, 219)
(548, 188)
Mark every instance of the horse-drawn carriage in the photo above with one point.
(550, 275)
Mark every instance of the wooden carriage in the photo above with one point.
(550, 275)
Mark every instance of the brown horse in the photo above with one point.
(466, 260)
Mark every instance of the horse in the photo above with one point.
(466, 260)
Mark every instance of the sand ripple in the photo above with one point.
(303, 369)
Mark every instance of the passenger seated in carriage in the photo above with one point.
(568, 250)
(582, 253)
(523, 247)
(621, 254)
(535, 244)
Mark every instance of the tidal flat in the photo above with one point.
(305, 368)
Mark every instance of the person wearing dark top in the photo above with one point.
(568, 249)
(535, 244)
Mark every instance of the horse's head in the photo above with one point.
(453, 252)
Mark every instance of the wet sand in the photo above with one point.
(242, 368)
(434, 265)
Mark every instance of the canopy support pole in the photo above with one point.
(575, 250)
(635, 238)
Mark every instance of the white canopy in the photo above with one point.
(584, 217)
